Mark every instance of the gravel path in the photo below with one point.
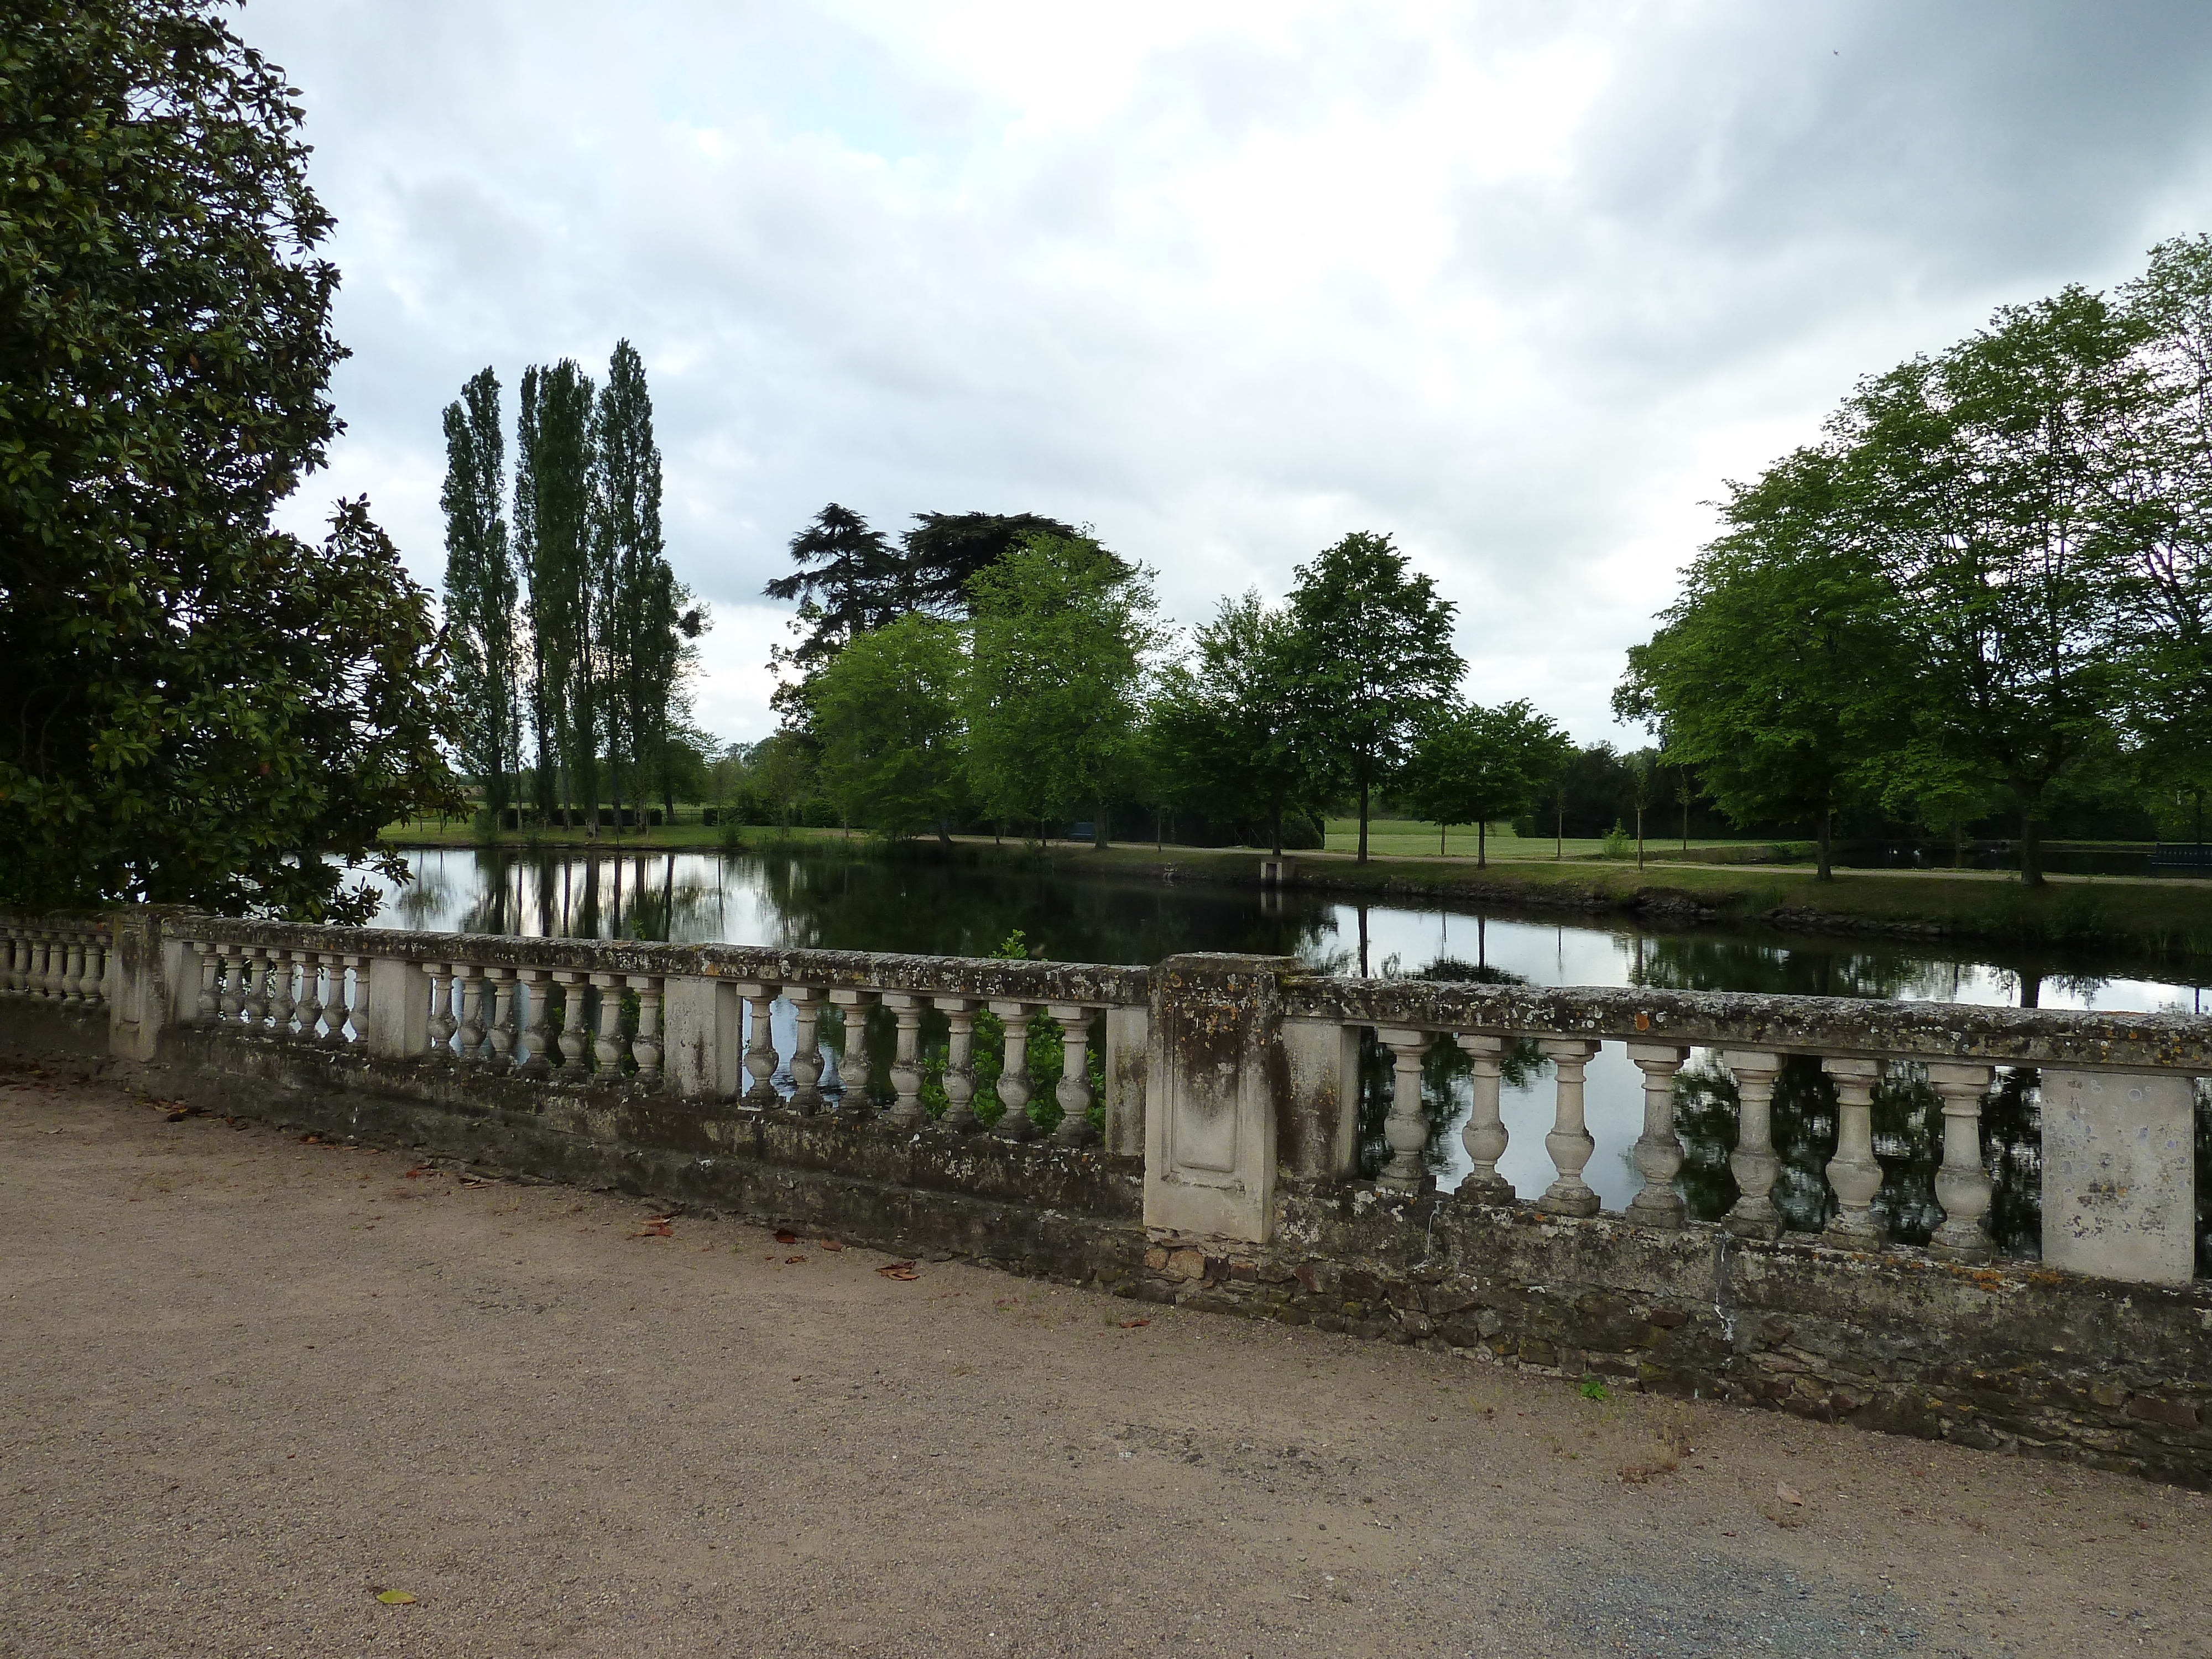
(247, 1383)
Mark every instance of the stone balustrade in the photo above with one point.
(60, 961)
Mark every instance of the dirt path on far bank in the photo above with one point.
(247, 1383)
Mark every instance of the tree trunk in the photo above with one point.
(1440, 840)
(1639, 838)
(1823, 834)
(1362, 941)
(2031, 843)
(1481, 846)
(1560, 824)
(1686, 826)
(1098, 829)
(1276, 821)
(944, 833)
(1362, 849)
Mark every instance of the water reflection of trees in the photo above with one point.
(1699, 963)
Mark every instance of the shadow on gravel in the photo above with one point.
(1708, 1607)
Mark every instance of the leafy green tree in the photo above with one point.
(197, 708)
(1222, 727)
(1474, 764)
(1060, 636)
(1373, 648)
(481, 589)
(887, 710)
(1982, 483)
(553, 536)
(1776, 676)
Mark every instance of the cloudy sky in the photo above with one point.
(1520, 284)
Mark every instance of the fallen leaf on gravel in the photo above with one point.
(789, 1260)
(394, 1598)
(831, 1244)
(1134, 1324)
(1786, 1494)
(898, 1270)
(471, 1181)
(786, 1238)
(657, 1227)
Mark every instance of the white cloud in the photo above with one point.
(1519, 284)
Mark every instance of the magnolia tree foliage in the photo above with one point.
(197, 708)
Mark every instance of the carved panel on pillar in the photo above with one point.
(1210, 1099)
(2119, 1188)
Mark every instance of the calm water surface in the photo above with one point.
(828, 900)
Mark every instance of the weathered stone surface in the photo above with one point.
(1210, 1094)
(2119, 1162)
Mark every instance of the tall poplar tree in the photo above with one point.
(552, 520)
(481, 592)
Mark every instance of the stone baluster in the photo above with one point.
(339, 1006)
(208, 1006)
(645, 1048)
(1015, 1123)
(1569, 1141)
(230, 976)
(854, 1073)
(11, 961)
(571, 1040)
(280, 1000)
(95, 970)
(1484, 1136)
(906, 1110)
(1658, 1149)
(959, 1064)
(760, 1043)
(1854, 1172)
(72, 972)
(806, 1049)
(470, 989)
(1406, 1128)
(608, 1048)
(439, 1042)
(499, 1035)
(255, 961)
(309, 1012)
(1074, 1091)
(537, 985)
(1754, 1161)
(57, 968)
(1962, 1184)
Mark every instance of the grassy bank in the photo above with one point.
(2170, 918)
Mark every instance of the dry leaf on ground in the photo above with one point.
(898, 1270)
(831, 1244)
(789, 1260)
(786, 1238)
(1787, 1494)
(393, 1598)
(1134, 1324)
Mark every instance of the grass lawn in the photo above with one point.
(1409, 838)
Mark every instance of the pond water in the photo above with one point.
(831, 899)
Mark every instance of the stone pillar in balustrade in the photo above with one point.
(398, 1010)
(806, 1095)
(575, 1038)
(959, 1013)
(1317, 1128)
(856, 1074)
(1962, 1184)
(1128, 1044)
(1212, 1096)
(538, 1053)
(1753, 1162)
(1483, 1137)
(1406, 1128)
(2119, 1174)
(1569, 1141)
(760, 1043)
(907, 1111)
(608, 1048)
(1659, 1148)
(1854, 1173)
(645, 1047)
(1015, 1122)
(1074, 1091)
(154, 982)
(500, 1032)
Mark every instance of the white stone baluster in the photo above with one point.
(1754, 1161)
(281, 1000)
(1074, 1091)
(95, 971)
(1569, 1141)
(1658, 1149)
(607, 1048)
(72, 972)
(760, 1043)
(257, 990)
(1015, 1123)
(959, 1064)
(854, 1073)
(907, 1111)
(343, 998)
(208, 1006)
(11, 959)
(230, 973)
(806, 1049)
(645, 1048)
(309, 1010)
(1854, 1172)
(499, 1035)
(1406, 1128)
(537, 1034)
(439, 1042)
(1484, 1136)
(1962, 1184)
(572, 1024)
(470, 990)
